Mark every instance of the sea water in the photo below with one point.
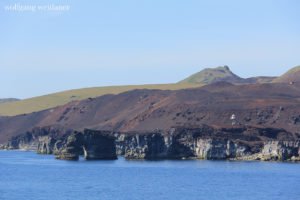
(27, 175)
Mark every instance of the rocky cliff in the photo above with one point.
(204, 142)
(281, 150)
(41, 139)
(245, 143)
(99, 145)
(218, 149)
(71, 148)
(93, 145)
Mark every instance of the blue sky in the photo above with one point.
(118, 42)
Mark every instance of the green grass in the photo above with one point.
(52, 100)
(293, 70)
(6, 100)
(289, 74)
(209, 75)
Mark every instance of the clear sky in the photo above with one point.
(115, 42)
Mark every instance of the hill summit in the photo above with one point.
(213, 75)
(293, 75)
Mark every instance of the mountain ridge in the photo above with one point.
(204, 77)
(223, 74)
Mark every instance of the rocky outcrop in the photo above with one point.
(45, 145)
(203, 142)
(94, 145)
(280, 150)
(40, 139)
(183, 146)
(217, 149)
(27, 141)
(236, 143)
(99, 145)
(120, 144)
(151, 146)
(72, 147)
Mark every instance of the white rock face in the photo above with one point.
(45, 145)
(214, 149)
(281, 150)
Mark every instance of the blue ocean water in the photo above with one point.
(26, 176)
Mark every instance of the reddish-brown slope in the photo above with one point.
(269, 105)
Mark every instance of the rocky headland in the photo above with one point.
(235, 120)
(205, 142)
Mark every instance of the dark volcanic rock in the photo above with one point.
(203, 142)
(149, 146)
(27, 141)
(157, 146)
(94, 145)
(99, 145)
(209, 143)
(72, 148)
(41, 139)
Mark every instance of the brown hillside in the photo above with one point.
(268, 105)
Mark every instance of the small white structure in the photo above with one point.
(233, 119)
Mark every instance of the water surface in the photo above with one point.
(26, 175)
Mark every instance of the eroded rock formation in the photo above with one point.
(204, 142)
(216, 149)
(148, 146)
(280, 150)
(94, 145)
(99, 145)
(72, 147)
(45, 145)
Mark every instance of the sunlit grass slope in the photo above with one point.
(52, 100)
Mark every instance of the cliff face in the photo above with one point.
(41, 139)
(46, 145)
(93, 145)
(99, 145)
(212, 149)
(211, 144)
(71, 148)
(157, 146)
(154, 146)
(205, 142)
(27, 141)
(281, 150)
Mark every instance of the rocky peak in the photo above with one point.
(213, 75)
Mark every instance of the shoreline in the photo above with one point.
(81, 158)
